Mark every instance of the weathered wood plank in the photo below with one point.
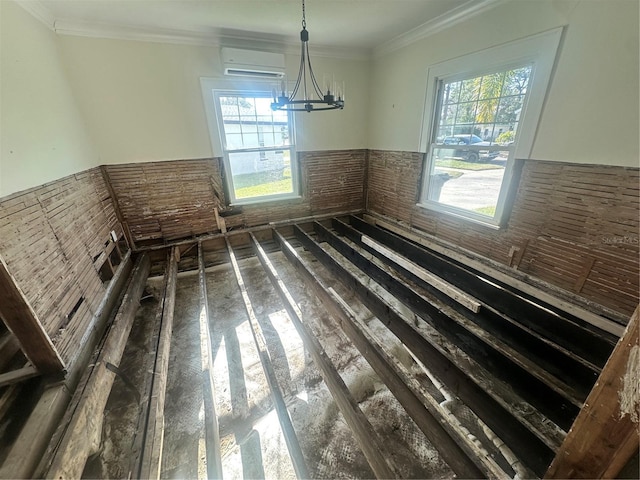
(368, 440)
(291, 439)
(605, 434)
(452, 291)
(20, 318)
(83, 433)
(212, 439)
(18, 375)
(152, 449)
(462, 456)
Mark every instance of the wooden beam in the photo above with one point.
(116, 207)
(153, 436)
(18, 375)
(147, 386)
(494, 402)
(30, 454)
(9, 346)
(290, 437)
(212, 433)
(464, 458)
(523, 374)
(369, 441)
(522, 281)
(82, 435)
(604, 436)
(22, 321)
(463, 298)
(556, 324)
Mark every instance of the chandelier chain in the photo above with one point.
(304, 20)
(331, 100)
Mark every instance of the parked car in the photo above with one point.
(470, 155)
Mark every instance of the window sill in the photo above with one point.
(462, 215)
(258, 201)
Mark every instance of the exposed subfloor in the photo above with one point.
(252, 445)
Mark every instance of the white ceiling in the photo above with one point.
(357, 25)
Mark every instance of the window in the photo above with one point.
(258, 148)
(484, 110)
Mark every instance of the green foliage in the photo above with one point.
(489, 211)
(494, 98)
(264, 183)
(462, 165)
(505, 137)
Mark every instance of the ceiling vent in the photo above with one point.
(251, 63)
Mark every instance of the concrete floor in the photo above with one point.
(252, 444)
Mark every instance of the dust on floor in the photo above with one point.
(252, 444)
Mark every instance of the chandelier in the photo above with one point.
(306, 79)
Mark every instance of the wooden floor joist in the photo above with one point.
(22, 321)
(477, 390)
(154, 434)
(291, 439)
(82, 435)
(530, 285)
(555, 398)
(145, 390)
(448, 289)
(498, 328)
(363, 431)
(462, 456)
(605, 434)
(19, 375)
(212, 434)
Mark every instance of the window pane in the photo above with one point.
(475, 117)
(256, 174)
(467, 179)
(248, 123)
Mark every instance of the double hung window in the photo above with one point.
(258, 147)
(481, 115)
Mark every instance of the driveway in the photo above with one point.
(473, 189)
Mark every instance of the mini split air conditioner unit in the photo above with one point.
(251, 63)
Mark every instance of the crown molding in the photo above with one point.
(438, 24)
(62, 26)
(189, 37)
(129, 32)
(39, 11)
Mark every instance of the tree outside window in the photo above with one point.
(481, 114)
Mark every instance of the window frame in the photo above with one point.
(212, 90)
(540, 52)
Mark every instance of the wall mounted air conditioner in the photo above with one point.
(251, 63)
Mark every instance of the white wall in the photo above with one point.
(42, 133)
(70, 103)
(591, 113)
(143, 101)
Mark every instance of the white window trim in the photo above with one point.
(215, 86)
(539, 51)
